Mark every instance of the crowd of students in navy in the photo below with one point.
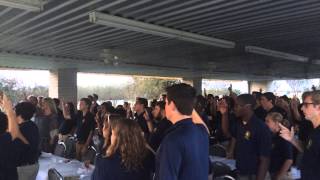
(169, 139)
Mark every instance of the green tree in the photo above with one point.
(148, 87)
(17, 92)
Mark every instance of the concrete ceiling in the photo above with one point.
(61, 36)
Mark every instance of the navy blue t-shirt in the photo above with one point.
(310, 166)
(111, 168)
(281, 151)
(184, 152)
(253, 140)
(8, 158)
(28, 153)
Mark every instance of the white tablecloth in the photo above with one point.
(229, 162)
(73, 168)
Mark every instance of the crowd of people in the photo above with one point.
(168, 139)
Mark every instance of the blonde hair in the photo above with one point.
(51, 104)
(277, 117)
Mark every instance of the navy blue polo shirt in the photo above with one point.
(183, 153)
(111, 168)
(310, 166)
(253, 140)
(281, 151)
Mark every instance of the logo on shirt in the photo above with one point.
(247, 135)
(309, 144)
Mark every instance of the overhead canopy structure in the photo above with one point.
(240, 39)
(28, 5)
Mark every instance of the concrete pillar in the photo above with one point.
(63, 84)
(259, 86)
(196, 82)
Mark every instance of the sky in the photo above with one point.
(224, 84)
(28, 78)
(91, 79)
(33, 78)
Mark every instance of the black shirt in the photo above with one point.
(8, 158)
(95, 106)
(157, 136)
(16, 153)
(85, 124)
(111, 168)
(310, 166)
(252, 141)
(67, 126)
(29, 153)
(218, 132)
(281, 151)
(183, 153)
(305, 128)
(143, 124)
(262, 114)
(279, 110)
(60, 117)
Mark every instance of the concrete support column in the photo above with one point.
(196, 82)
(63, 84)
(262, 86)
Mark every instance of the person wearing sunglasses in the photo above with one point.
(310, 166)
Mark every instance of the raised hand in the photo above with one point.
(223, 106)
(294, 103)
(286, 134)
(6, 103)
(13, 127)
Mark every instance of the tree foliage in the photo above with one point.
(17, 92)
(146, 87)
